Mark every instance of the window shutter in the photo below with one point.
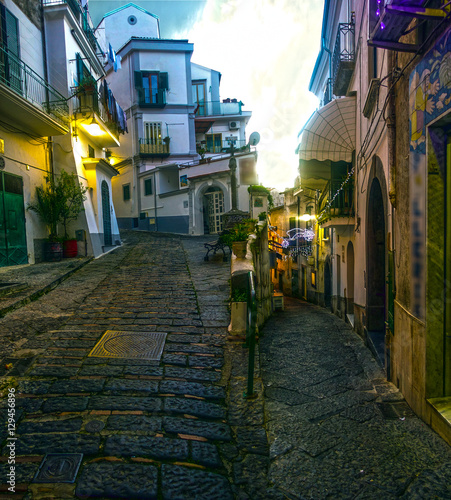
(163, 83)
(12, 33)
(79, 64)
(138, 80)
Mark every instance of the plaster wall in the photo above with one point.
(212, 81)
(128, 208)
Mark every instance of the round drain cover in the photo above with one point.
(94, 426)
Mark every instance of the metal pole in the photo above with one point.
(250, 336)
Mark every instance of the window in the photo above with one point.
(91, 152)
(152, 133)
(151, 86)
(292, 222)
(126, 192)
(9, 40)
(199, 98)
(214, 143)
(148, 187)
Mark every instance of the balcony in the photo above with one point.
(328, 94)
(343, 59)
(336, 205)
(221, 147)
(83, 19)
(94, 118)
(28, 100)
(150, 148)
(217, 108)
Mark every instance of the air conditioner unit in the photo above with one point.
(234, 125)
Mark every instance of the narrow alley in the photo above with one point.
(118, 425)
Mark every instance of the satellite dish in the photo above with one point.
(254, 139)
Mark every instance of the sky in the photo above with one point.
(265, 51)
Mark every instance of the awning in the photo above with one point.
(330, 132)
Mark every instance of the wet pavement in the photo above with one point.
(180, 427)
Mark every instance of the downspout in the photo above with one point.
(155, 199)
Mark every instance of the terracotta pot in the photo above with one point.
(239, 248)
(70, 249)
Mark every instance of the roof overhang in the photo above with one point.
(329, 133)
(99, 164)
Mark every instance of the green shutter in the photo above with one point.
(138, 79)
(12, 33)
(148, 187)
(163, 83)
(79, 65)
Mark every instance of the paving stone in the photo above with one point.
(30, 405)
(252, 440)
(50, 426)
(37, 387)
(56, 443)
(67, 352)
(134, 423)
(192, 388)
(148, 386)
(124, 403)
(205, 361)
(59, 361)
(181, 482)
(75, 386)
(192, 374)
(75, 343)
(184, 338)
(133, 362)
(102, 370)
(150, 371)
(193, 407)
(192, 348)
(205, 454)
(118, 480)
(53, 371)
(24, 472)
(60, 404)
(210, 430)
(160, 448)
(174, 359)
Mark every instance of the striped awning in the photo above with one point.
(330, 132)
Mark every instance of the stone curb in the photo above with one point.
(42, 291)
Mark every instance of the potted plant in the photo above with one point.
(87, 84)
(48, 207)
(238, 312)
(73, 195)
(237, 238)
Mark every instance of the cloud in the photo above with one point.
(266, 51)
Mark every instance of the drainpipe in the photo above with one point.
(330, 65)
(155, 199)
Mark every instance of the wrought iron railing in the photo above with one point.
(83, 18)
(152, 147)
(336, 200)
(327, 96)
(217, 108)
(20, 78)
(223, 147)
(344, 50)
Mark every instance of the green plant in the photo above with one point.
(87, 82)
(257, 189)
(59, 202)
(238, 295)
(239, 232)
(262, 216)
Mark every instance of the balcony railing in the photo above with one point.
(327, 96)
(222, 147)
(343, 59)
(25, 82)
(149, 99)
(342, 200)
(83, 18)
(153, 148)
(217, 108)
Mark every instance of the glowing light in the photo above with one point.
(93, 128)
(382, 26)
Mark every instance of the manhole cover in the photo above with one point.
(137, 345)
(395, 410)
(59, 468)
(94, 426)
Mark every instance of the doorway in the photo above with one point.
(350, 279)
(106, 211)
(376, 244)
(213, 202)
(327, 285)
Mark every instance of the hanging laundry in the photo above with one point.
(84, 3)
(117, 63)
(111, 54)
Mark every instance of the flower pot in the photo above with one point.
(53, 251)
(70, 249)
(239, 248)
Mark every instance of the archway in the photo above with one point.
(350, 279)
(106, 212)
(213, 209)
(376, 243)
(327, 284)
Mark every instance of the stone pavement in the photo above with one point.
(336, 428)
(180, 428)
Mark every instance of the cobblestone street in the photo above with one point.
(180, 428)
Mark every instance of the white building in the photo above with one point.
(175, 116)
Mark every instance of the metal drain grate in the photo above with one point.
(59, 468)
(135, 345)
(395, 410)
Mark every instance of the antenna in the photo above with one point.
(254, 139)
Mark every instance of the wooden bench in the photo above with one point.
(219, 244)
